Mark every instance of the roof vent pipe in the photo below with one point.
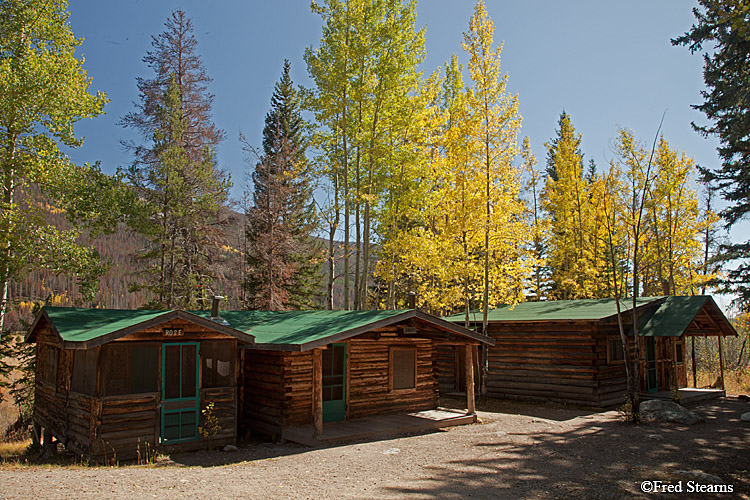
(412, 301)
(215, 306)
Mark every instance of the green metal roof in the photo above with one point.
(80, 325)
(303, 327)
(674, 316)
(556, 310)
(295, 330)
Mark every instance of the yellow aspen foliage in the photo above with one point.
(670, 251)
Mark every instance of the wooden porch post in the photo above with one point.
(317, 388)
(695, 373)
(721, 364)
(469, 362)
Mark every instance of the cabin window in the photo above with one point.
(130, 369)
(52, 355)
(218, 363)
(84, 371)
(679, 355)
(614, 351)
(403, 369)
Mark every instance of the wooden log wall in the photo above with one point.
(225, 410)
(50, 403)
(125, 426)
(446, 368)
(612, 377)
(263, 391)
(81, 426)
(543, 361)
(297, 383)
(368, 379)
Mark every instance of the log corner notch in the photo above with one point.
(469, 364)
(317, 373)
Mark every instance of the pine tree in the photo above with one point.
(175, 171)
(568, 201)
(283, 255)
(721, 33)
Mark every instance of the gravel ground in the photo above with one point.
(517, 451)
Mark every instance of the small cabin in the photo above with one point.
(571, 351)
(118, 384)
(309, 369)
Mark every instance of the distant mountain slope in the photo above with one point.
(120, 250)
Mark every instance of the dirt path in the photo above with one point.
(519, 451)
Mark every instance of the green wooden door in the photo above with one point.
(334, 383)
(651, 379)
(179, 382)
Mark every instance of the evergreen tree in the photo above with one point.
(283, 256)
(175, 171)
(722, 26)
(567, 199)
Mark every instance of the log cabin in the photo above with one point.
(571, 351)
(309, 368)
(118, 384)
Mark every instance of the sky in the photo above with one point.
(607, 64)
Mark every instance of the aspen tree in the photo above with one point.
(499, 122)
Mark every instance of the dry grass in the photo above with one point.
(8, 414)
(13, 449)
(735, 381)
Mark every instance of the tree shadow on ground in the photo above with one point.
(602, 458)
(547, 411)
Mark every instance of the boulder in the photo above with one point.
(699, 476)
(656, 410)
(745, 417)
(229, 447)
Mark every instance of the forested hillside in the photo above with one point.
(119, 251)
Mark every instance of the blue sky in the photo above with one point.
(608, 64)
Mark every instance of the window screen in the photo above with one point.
(115, 370)
(218, 363)
(403, 368)
(614, 350)
(144, 368)
(130, 368)
(678, 353)
(84, 371)
(50, 365)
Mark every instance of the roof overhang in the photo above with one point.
(435, 321)
(137, 327)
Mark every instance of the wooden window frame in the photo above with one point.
(682, 350)
(208, 350)
(391, 366)
(610, 360)
(125, 370)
